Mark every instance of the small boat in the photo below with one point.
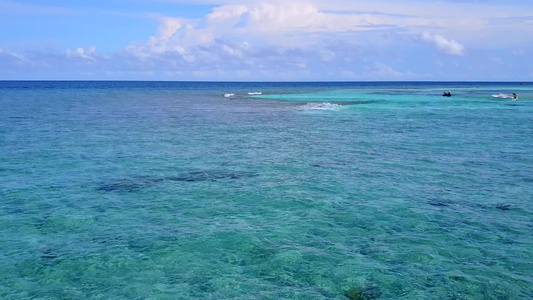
(229, 95)
(447, 94)
(254, 93)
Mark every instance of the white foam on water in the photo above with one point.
(506, 96)
(322, 106)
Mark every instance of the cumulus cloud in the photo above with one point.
(237, 33)
(287, 23)
(298, 17)
(443, 45)
(234, 33)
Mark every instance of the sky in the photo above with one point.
(264, 40)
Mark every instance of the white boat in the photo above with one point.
(254, 93)
(229, 95)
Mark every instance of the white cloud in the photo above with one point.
(238, 31)
(168, 27)
(231, 51)
(86, 54)
(275, 18)
(443, 45)
(13, 57)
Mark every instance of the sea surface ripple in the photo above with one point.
(170, 190)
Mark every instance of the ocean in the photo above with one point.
(306, 190)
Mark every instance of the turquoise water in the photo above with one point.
(169, 190)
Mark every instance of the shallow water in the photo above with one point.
(169, 190)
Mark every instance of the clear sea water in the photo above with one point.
(169, 190)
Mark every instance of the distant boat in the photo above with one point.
(447, 94)
(254, 93)
(229, 95)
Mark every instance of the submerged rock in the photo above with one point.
(363, 293)
(503, 206)
(138, 183)
(208, 176)
(129, 185)
(47, 252)
(438, 203)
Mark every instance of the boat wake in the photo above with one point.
(506, 96)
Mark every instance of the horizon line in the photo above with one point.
(253, 81)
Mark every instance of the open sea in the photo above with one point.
(319, 190)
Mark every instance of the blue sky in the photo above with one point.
(293, 40)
